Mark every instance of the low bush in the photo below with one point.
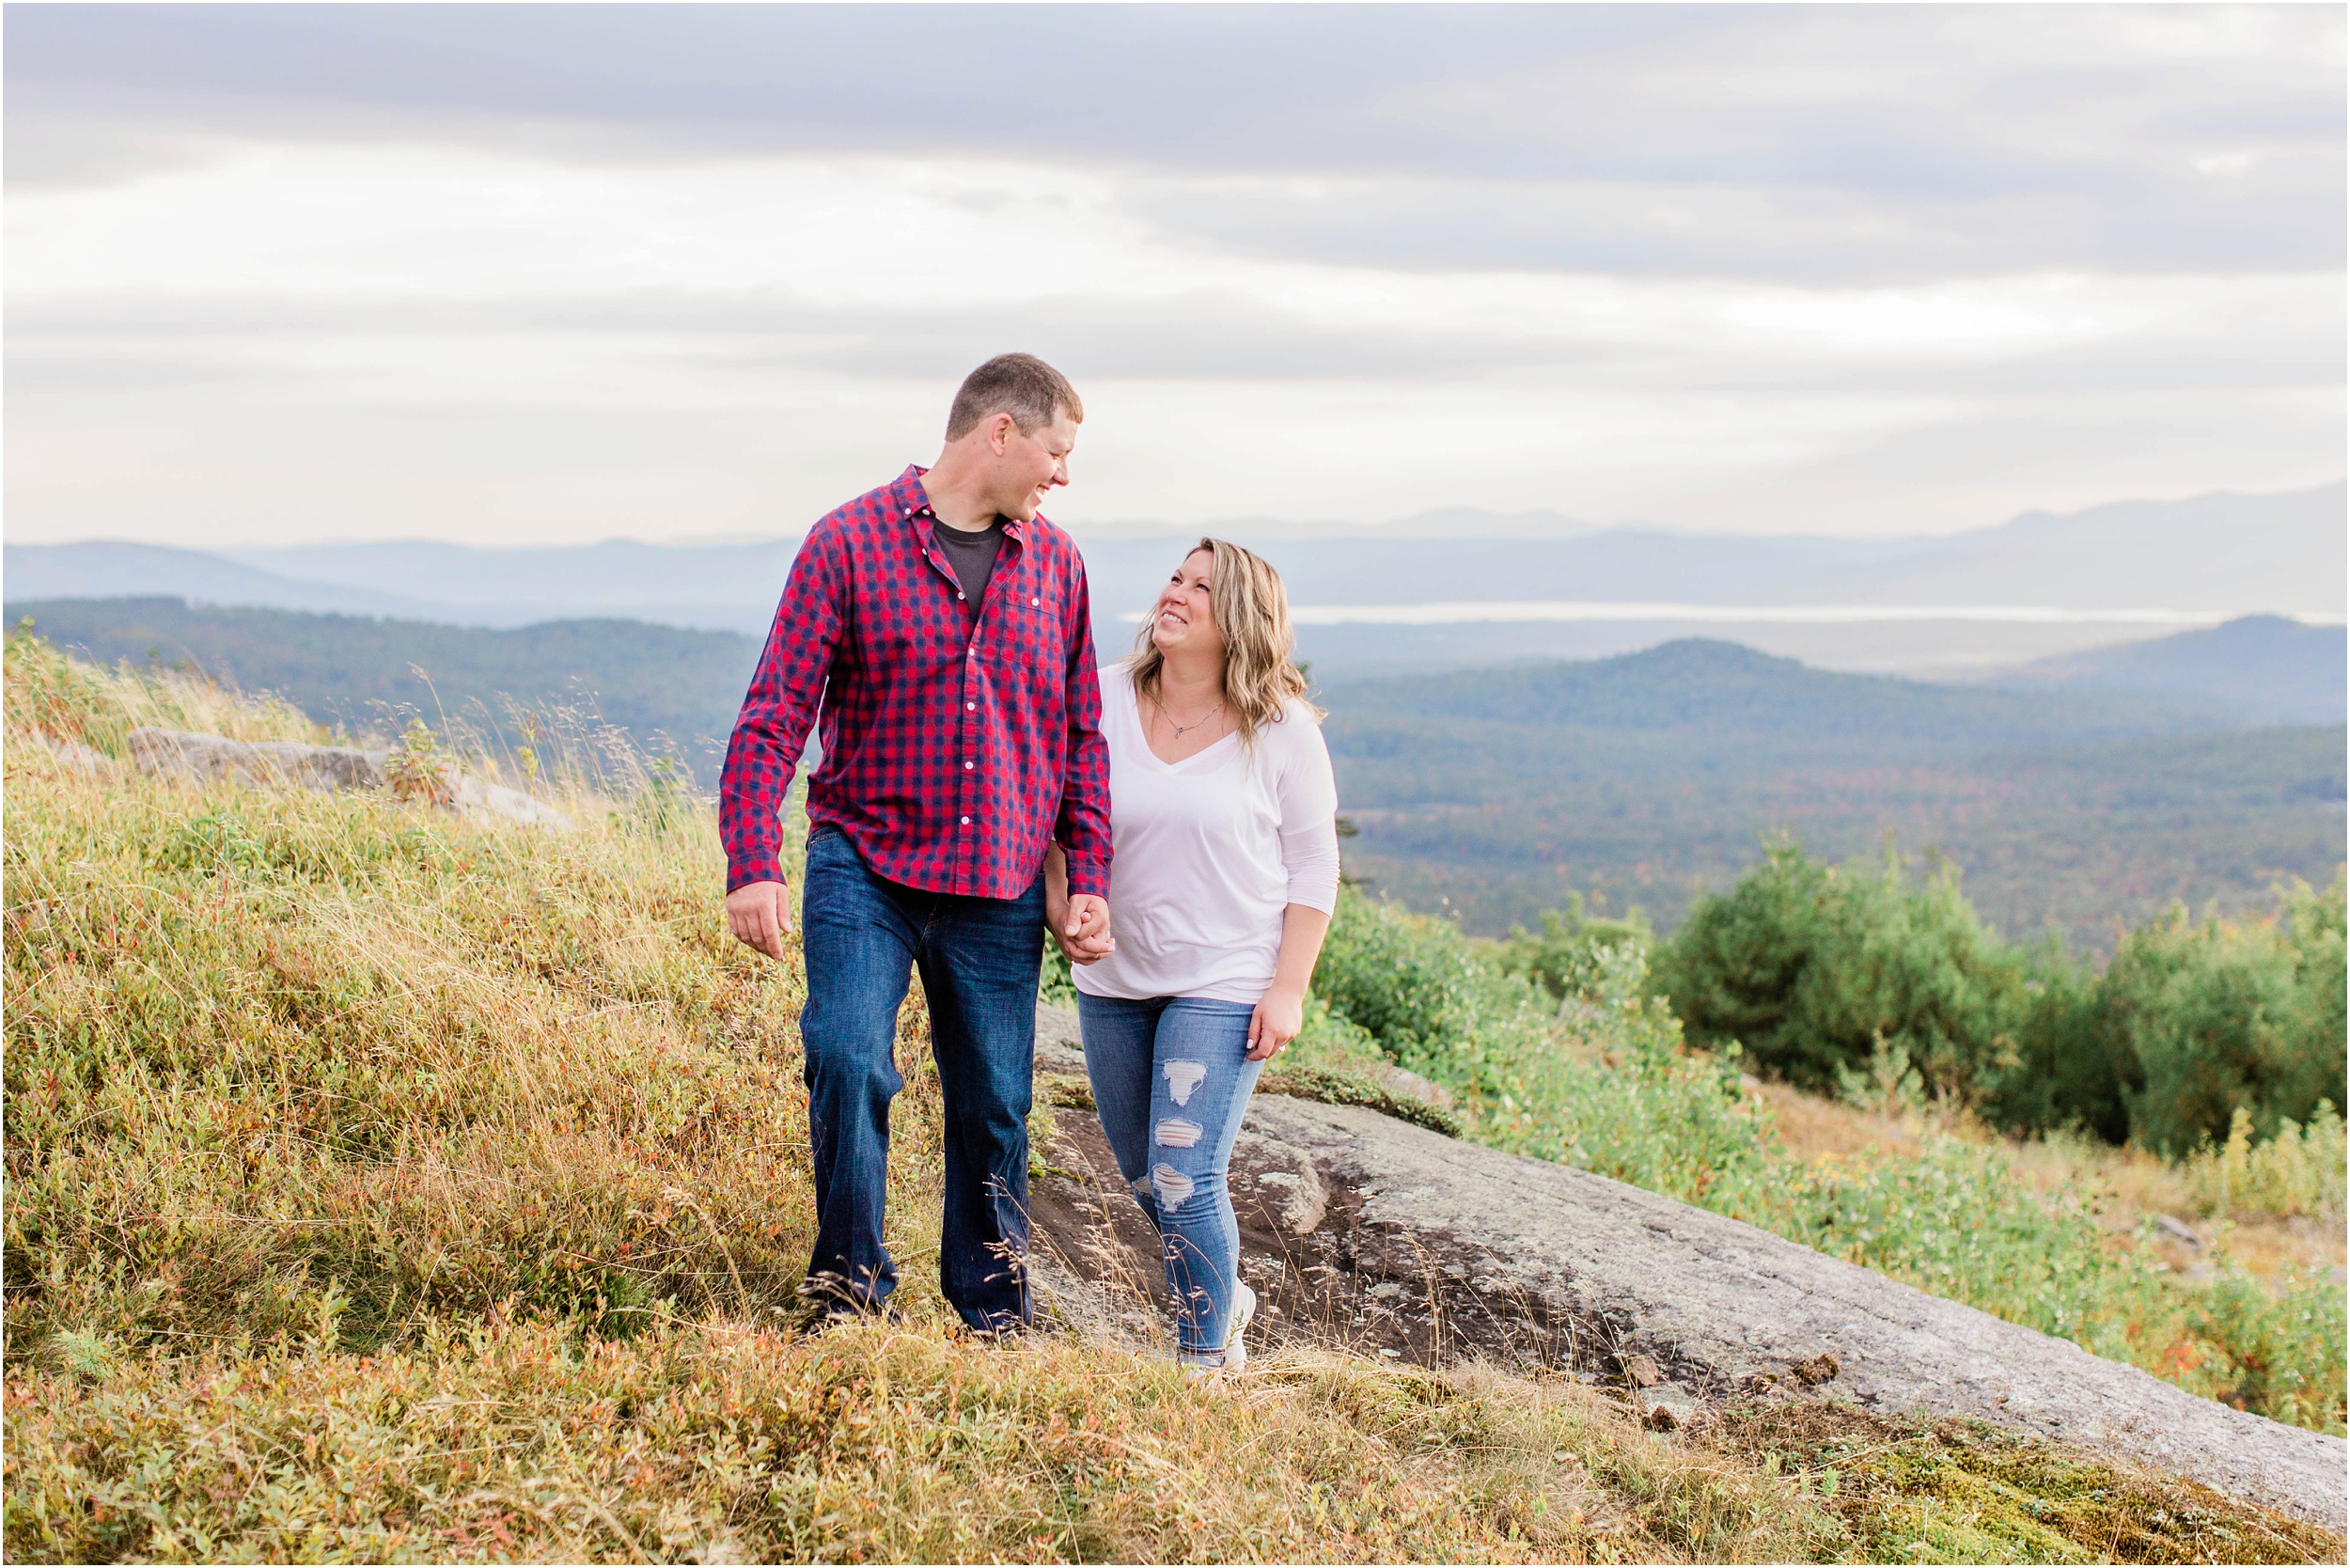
(2207, 1018)
(1820, 971)
(2298, 1172)
(1812, 968)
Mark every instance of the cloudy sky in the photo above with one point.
(544, 274)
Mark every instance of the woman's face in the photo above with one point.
(1182, 621)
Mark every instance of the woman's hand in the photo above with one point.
(1278, 1017)
(1081, 929)
(1080, 924)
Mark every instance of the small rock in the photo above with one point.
(2177, 1231)
(1643, 1372)
(1820, 1368)
(1387, 1288)
(495, 800)
(1413, 1086)
(74, 754)
(1666, 1415)
(1292, 1197)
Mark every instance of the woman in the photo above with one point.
(1223, 874)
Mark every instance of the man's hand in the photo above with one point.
(1082, 929)
(1278, 1017)
(759, 915)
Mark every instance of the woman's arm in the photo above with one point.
(1281, 1012)
(1310, 853)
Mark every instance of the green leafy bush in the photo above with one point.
(2299, 1171)
(1810, 967)
(1565, 958)
(1825, 973)
(2206, 1018)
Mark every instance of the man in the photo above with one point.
(944, 627)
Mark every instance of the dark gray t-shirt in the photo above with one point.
(971, 553)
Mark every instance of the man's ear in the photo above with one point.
(999, 429)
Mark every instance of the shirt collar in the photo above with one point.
(914, 502)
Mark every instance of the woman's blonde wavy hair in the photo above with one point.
(1252, 612)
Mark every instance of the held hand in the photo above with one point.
(1275, 1024)
(759, 915)
(1082, 929)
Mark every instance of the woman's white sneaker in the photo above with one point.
(1243, 1312)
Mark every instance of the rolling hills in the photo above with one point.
(1496, 792)
(1647, 779)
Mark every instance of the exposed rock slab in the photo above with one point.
(282, 765)
(215, 758)
(1427, 1245)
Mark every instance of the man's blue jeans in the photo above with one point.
(979, 960)
(1171, 1079)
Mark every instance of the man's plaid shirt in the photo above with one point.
(960, 741)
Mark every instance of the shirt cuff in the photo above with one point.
(763, 867)
(1087, 876)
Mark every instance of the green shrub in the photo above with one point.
(1810, 967)
(1826, 973)
(1566, 957)
(2299, 1171)
(2206, 1018)
(2281, 1352)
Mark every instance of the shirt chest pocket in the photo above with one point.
(1023, 628)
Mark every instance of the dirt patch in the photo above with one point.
(1323, 1278)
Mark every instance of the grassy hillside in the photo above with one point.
(383, 1184)
(655, 682)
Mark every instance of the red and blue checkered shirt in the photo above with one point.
(960, 741)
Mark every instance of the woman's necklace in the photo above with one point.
(1182, 729)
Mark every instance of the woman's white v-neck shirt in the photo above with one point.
(1207, 852)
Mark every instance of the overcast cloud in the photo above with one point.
(540, 273)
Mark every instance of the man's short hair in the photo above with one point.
(1020, 385)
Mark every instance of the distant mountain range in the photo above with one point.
(2215, 555)
(2263, 665)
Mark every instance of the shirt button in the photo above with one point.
(966, 767)
(967, 821)
(958, 595)
(1035, 603)
(972, 706)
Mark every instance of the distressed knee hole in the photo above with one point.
(1182, 1077)
(1172, 1185)
(1173, 1134)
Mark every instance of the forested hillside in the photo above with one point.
(357, 671)
(2264, 663)
(1649, 778)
